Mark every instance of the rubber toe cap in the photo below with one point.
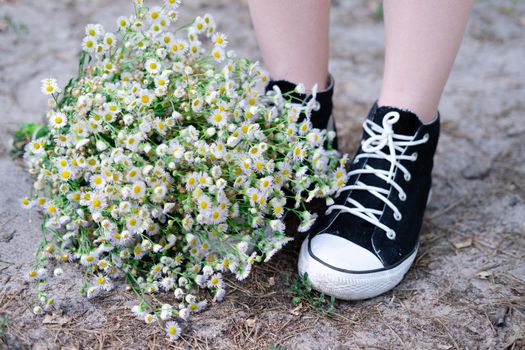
(343, 254)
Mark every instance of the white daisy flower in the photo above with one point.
(218, 118)
(166, 312)
(215, 281)
(57, 120)
(122, 22)
(173, 330)
(94, 30)
(97, 181)
(173, 4)
(218, 54)
(217, 215)
(50, 86)
(145, 97)
(308, 219)
(199, 25)
(103, 283)
(89, 44)
(109, 40)
(88, 260)
(152, 66)
(219, 39)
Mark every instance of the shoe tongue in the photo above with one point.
(407, 124)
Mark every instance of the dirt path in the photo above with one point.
(467, 288)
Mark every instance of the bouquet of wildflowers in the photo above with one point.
(165, 168)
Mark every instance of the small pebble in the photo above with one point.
(476, 170)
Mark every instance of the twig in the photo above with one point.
(446, 209)
(448, 332)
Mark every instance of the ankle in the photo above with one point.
(427, 113)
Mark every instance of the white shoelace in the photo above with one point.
(372, 148)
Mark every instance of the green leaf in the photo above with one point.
(24, 135)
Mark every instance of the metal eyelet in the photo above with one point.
(426, 137)
(408, 177)
(391, 234)
(397, 216)
(414, 156)
(402, 197)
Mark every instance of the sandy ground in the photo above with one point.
(467, 287)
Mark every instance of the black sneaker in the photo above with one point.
(322, 117)
(369, 238)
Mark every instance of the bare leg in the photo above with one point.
(293, 38)
(422, 40)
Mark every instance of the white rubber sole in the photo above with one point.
(347, 285)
